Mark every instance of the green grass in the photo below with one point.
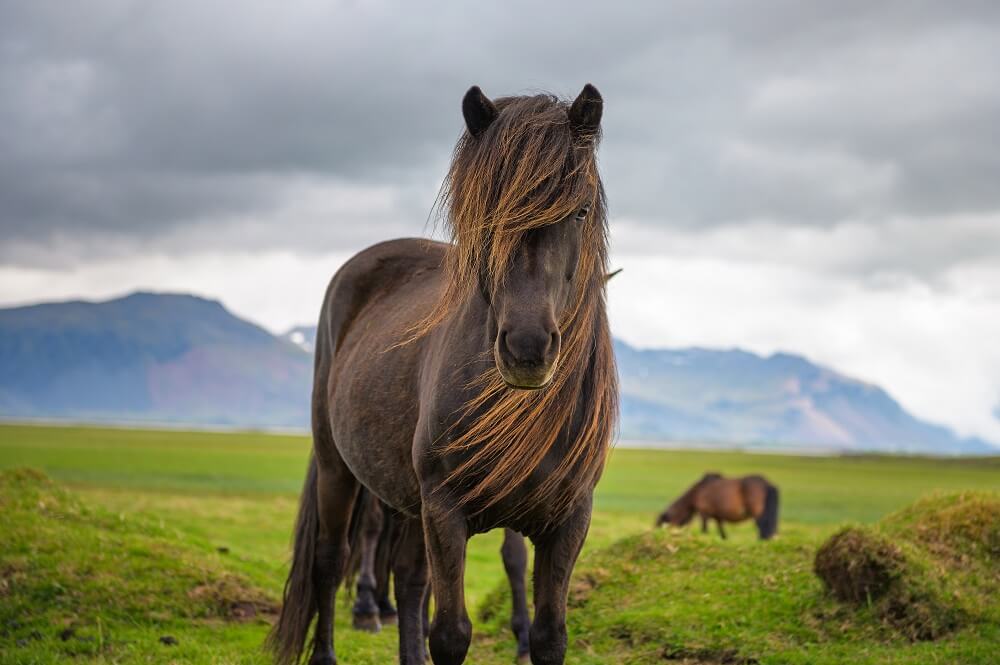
(148, 510)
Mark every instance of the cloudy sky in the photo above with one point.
(782, 175)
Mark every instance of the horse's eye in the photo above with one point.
(582, 213)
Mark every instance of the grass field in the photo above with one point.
(131, 553)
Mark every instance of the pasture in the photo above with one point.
(185, 535)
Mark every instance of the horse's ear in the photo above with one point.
(478, 110)
(585, 113)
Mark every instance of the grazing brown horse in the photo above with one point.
(372, 551)
(726, 500)
(468, 385)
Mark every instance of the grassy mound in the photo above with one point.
(668, 596)
(81, 581)
(925, 570)
(961, 527)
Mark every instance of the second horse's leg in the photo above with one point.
(515, 562)
(366, 611)
(722, 531)
(383, 566)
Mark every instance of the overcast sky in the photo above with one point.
(821, 179)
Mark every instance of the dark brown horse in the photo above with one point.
(468, 385)
(372, 552)
(373, 545)
(726, 500)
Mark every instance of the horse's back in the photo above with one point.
(722, 498)
(375, 273)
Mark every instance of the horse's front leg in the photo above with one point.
(447, 534)
(555, 556)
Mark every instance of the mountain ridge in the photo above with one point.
(149, 357)
(182, 359)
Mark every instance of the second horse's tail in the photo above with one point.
(767, 523)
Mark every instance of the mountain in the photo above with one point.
(183, 359)
(781, 400)
(149, 357)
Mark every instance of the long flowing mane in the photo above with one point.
(527, 170)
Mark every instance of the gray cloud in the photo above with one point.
(329, 124)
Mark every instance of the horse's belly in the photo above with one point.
(726, 506)
(373, 412)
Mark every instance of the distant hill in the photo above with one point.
(184, 359)
(149, 357)
(782, 400)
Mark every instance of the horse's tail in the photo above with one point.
(767, 523)
(287, 638)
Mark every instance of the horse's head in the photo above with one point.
(679, 513)
(529, 303)
(538, 225)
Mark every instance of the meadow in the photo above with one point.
(131, 536)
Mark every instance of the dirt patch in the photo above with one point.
(581, 586)
(683, 656)
(230, 597)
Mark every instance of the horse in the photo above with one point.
(469, 384)
(373, 547)
(726, 500)
(371, 557)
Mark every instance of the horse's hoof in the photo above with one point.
(322, 659)
(388, 619)
(369, 623)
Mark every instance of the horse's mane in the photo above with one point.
(527, 170)
(685, 500)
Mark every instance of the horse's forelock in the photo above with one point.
(525, 171)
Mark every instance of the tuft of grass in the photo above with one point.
(926, 570)
(857, 565)
(892, 580)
